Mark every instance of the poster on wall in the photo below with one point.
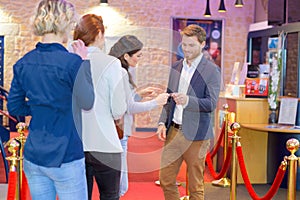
(213, 49)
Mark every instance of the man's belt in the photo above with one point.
(177, 126)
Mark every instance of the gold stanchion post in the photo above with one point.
(13, 148)
(292, 146)
(224, 182)
(235, 127)
(21, 128)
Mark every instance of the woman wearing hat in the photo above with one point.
(128, 50)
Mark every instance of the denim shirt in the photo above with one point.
(42, 87)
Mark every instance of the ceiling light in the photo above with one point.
(222, 6)
(103, 2)
(239, 3)
(207, 10)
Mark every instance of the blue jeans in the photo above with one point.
(124, 172)
(67, 181)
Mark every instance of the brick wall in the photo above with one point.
(149, 20)
(291, 78)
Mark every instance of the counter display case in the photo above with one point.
(258, 50)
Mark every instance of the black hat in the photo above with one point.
(124, 45)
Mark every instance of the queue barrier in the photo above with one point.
(17, 182)
(237, 157)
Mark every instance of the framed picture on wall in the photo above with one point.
(214, 28)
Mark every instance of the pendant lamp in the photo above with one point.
(207, 10)
(239, 3)
(222, 6)
(103, 2)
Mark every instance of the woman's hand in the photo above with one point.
(79, 48)
(149, 92)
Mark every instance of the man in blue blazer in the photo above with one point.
(185, 122)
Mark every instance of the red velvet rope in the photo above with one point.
(274, 187)
(2, 97)
(12, 186)
(24, 191)
(220, 139)
(7, 115)
(215, 175)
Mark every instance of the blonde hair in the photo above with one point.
(53, 16)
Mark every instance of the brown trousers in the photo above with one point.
(176, 150)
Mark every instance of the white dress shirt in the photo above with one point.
(186, 75)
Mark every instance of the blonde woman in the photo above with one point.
(52, 86)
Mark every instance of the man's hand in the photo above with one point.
(161, 132)
(179, 98)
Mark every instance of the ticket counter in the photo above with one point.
(278, 135)
(263, 145)
(254, 143)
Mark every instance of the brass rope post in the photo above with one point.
(224, 182)
(13, 148)
(292, 146)
(21, 128)
(235, 127)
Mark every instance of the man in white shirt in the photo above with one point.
(185, 122)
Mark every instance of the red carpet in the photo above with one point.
(141, 191)
(144, 150)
